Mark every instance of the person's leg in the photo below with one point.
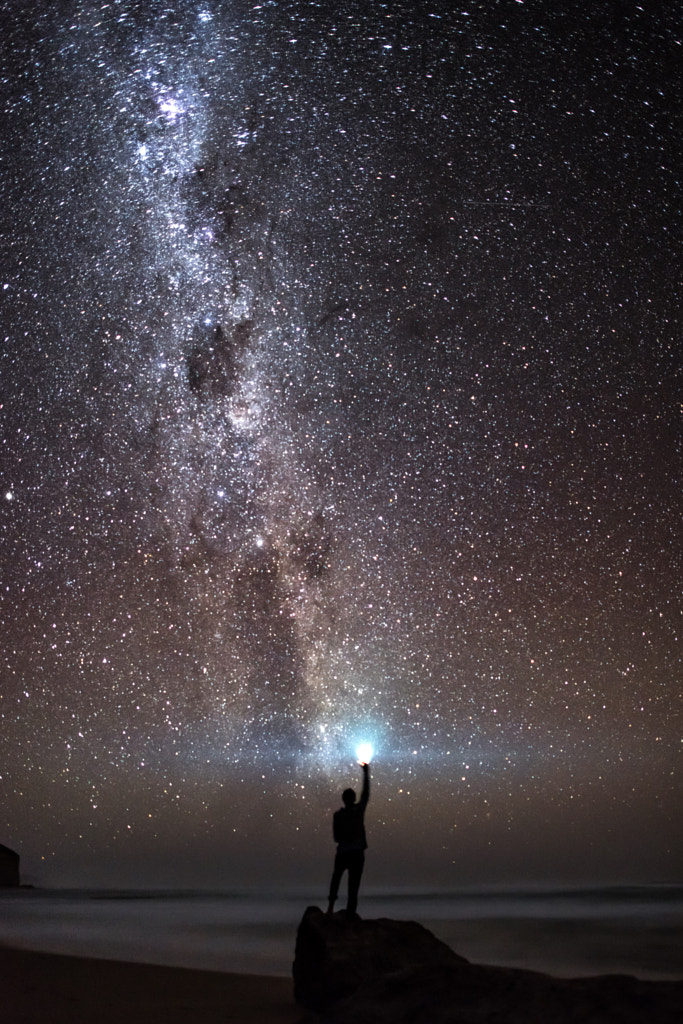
(356, 864)
(339, 868)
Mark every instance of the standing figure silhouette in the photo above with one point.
(348, 827)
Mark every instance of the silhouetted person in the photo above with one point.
(349, 834)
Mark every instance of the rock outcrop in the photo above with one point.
(337, 955)
(351, 971)
(9, 867)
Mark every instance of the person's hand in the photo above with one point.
(364, 765)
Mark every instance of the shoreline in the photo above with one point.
(55, 988)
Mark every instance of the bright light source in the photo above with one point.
(364, 752)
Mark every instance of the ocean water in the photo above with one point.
(570, 932)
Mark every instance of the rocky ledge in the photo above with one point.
(351, 971)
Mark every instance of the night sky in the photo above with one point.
(340, 377)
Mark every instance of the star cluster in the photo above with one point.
(341, 402)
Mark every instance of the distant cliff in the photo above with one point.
(9, 866)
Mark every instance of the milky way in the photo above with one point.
(341, 401)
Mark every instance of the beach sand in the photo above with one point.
(53, 989)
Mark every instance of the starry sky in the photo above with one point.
(340, 377)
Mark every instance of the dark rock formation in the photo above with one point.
(351, 971)
(337, 955)
(9, 866)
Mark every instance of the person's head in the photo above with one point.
(349, 797)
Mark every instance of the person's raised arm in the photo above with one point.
(365, 795)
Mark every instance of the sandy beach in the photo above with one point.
(47, 988)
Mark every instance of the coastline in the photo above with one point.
(52, 988)
(635, 930)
